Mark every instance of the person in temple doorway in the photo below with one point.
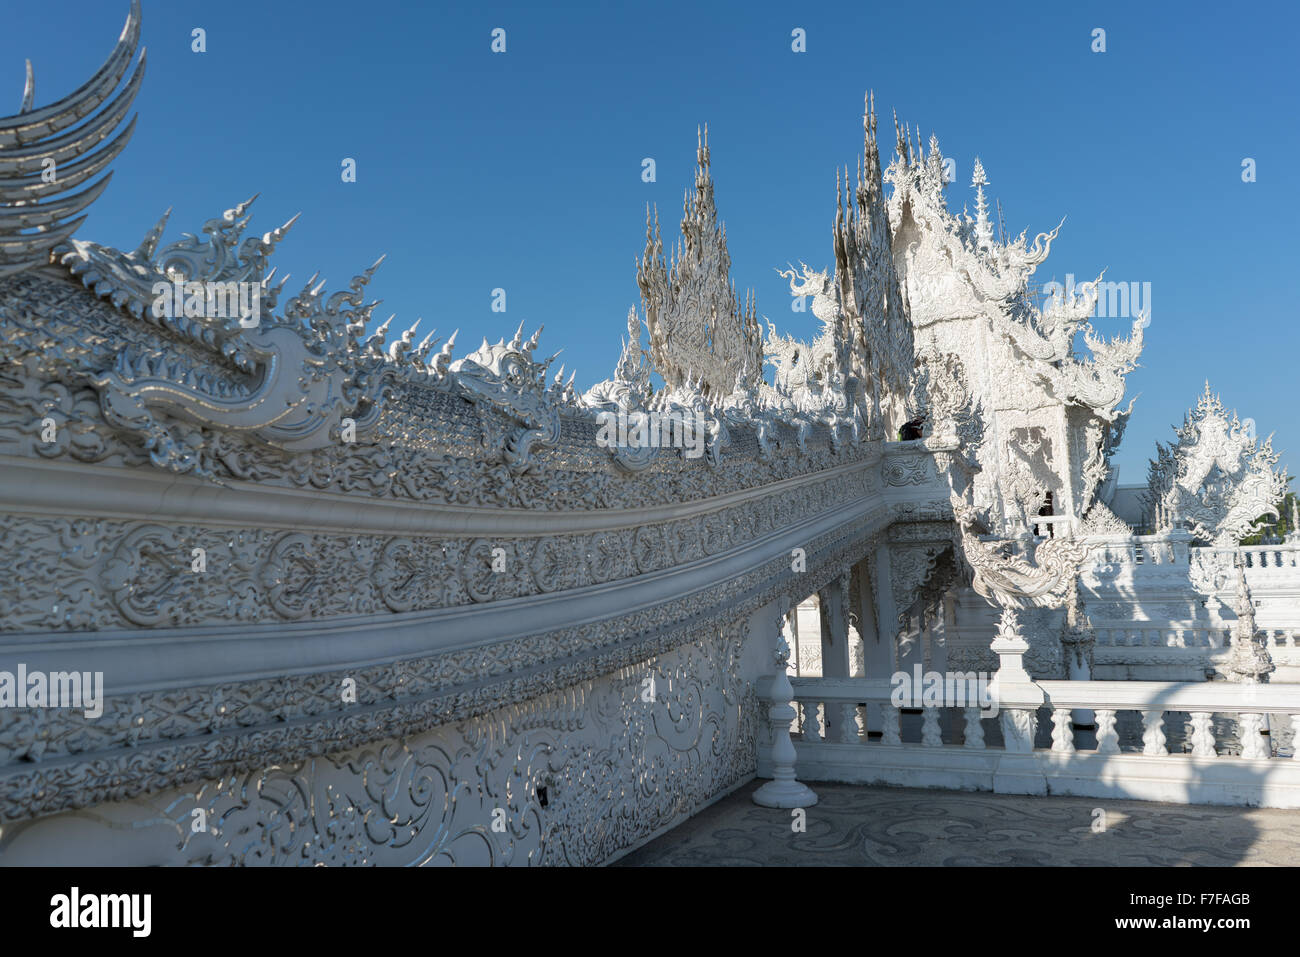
(911, 429)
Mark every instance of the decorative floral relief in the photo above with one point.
(210, 731)
(616, 768)
(147, 578)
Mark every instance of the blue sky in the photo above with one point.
(523, 171)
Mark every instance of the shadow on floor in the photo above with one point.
(852, 825)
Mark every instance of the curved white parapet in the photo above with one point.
(342, 596)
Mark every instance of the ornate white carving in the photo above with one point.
(1044, 577)
(925, 314)
(1248, 660)
(1216, 478)
(35, 213)
(699, 333)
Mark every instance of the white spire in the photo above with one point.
(983, 228)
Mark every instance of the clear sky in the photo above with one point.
(523, 170)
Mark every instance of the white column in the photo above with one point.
(877, 648)
(1078, 670)
(836, 657)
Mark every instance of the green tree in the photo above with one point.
(1278, 528)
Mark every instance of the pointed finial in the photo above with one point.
(29, 90)
(149, 244)
(901, 145)
(277, 234)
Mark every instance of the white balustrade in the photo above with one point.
(1197, 773)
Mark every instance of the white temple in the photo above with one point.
(348, 598)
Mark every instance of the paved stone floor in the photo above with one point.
(874, 826)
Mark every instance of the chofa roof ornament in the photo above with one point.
(45, 155)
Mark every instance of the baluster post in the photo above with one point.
(974, 731)
(892, 732)
(1107, 739)
(1253, 744)
(1203, 735)
(1153, 733)
(931, 737)
(1062, 732)
(784, 790)
(812, 726)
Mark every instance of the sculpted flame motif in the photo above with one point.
(1044, 578)
(290, 380)
(506, 377)
(808, 376)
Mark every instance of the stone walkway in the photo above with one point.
(874, 826)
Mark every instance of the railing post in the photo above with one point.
(930, 734)
(1013, 684)
(1203, 735)
(841, 717)
(1153, 733)
(1062, 732)
(1253, 744)
(1107, 739)
(783, 791)
(974, 732)
(1019, 726)
(891, 718)
(812, 725)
